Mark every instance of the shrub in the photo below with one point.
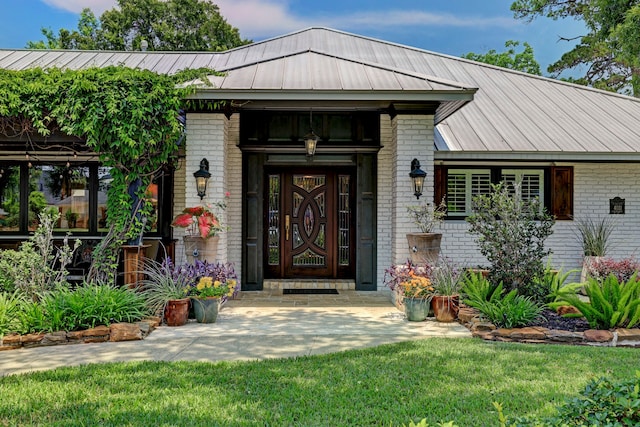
(511, 311)
(611, 303)
(511, 233)
(88, 306)
(594, 235)
(476, 289)
(553, 287)
(9, 308)
(603, 402)
(601, 268)
(38, 265)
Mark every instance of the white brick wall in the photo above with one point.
(405, 138)
(594, 185)
(205, 139)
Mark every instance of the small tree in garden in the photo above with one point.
(511, 233)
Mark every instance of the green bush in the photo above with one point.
(476, 289)
(603, 403)
(511, 232)
(16, 267)
(9, 308)
(553, 286)
(511, 311)
(91, 305)
(611, 303)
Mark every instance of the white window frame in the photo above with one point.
(468, 187)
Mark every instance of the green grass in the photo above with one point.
(440, 379)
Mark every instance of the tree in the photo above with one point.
(523, 61)
(610, 50)
(184, 25)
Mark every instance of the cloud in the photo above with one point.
(76, 6)
(266, 18)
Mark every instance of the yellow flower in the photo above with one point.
(217, 284)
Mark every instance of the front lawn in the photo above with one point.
(440, 379)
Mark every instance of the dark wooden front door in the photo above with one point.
(310, 224)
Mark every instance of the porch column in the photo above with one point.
(413, 135)
(205, 139)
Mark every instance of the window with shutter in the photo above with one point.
(462, 186)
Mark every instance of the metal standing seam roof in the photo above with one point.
(512, 113)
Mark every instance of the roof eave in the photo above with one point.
(529, 156)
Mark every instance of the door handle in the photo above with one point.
(286, 227)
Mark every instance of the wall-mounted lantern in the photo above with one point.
(310, 139)
(417, 178)
(202, 176)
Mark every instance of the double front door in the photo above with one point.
(309, 223)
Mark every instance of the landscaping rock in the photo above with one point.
(31, 340)
(467, 315)
(10, 342)
(628, 337)
(530, 333)
(125, 332)
(567, 309)
(54, 338)
(482, 327)
(599, 336)
(559, 336)
(98, 331)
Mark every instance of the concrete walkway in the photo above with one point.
(257, 325)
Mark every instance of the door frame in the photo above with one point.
(333, 269)
(254, 163)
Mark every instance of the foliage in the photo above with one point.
(511, 233)
(395, 275)
(209, 288)
(523, 61)
(222, 273)
(423, 423)
(604, 402)
(426, 216)
(163, 282)
(201, 220)
(477, 289)
(611, 303)
(312, 390)
(602, 268)
(594, 235)
(416, 286)
(184, 25)
(446, 277)
(128, 117)
(609, 51)
(10, 304)
(554, 286)
(38, 265)
(90, 305)
(511, 310)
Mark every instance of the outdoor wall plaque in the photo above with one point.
(616, 206)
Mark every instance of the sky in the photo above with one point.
(453, 27)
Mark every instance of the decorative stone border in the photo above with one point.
(114, 333)
(479, 328)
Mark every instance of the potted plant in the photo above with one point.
(417, 292)
(425, 246)
(594, 237)
(202, 223)
(71, 217)
(447, 283)
(211, 284)
(165, 289)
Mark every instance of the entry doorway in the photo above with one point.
(309, 223)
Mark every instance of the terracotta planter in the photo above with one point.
(176, 312)
(206, 309)
(445, 308)
(424, 247)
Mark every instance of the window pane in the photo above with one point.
(9, 198)
(104, 182)
(462, 186)
(62, 189)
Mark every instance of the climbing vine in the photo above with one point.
(129, 117)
